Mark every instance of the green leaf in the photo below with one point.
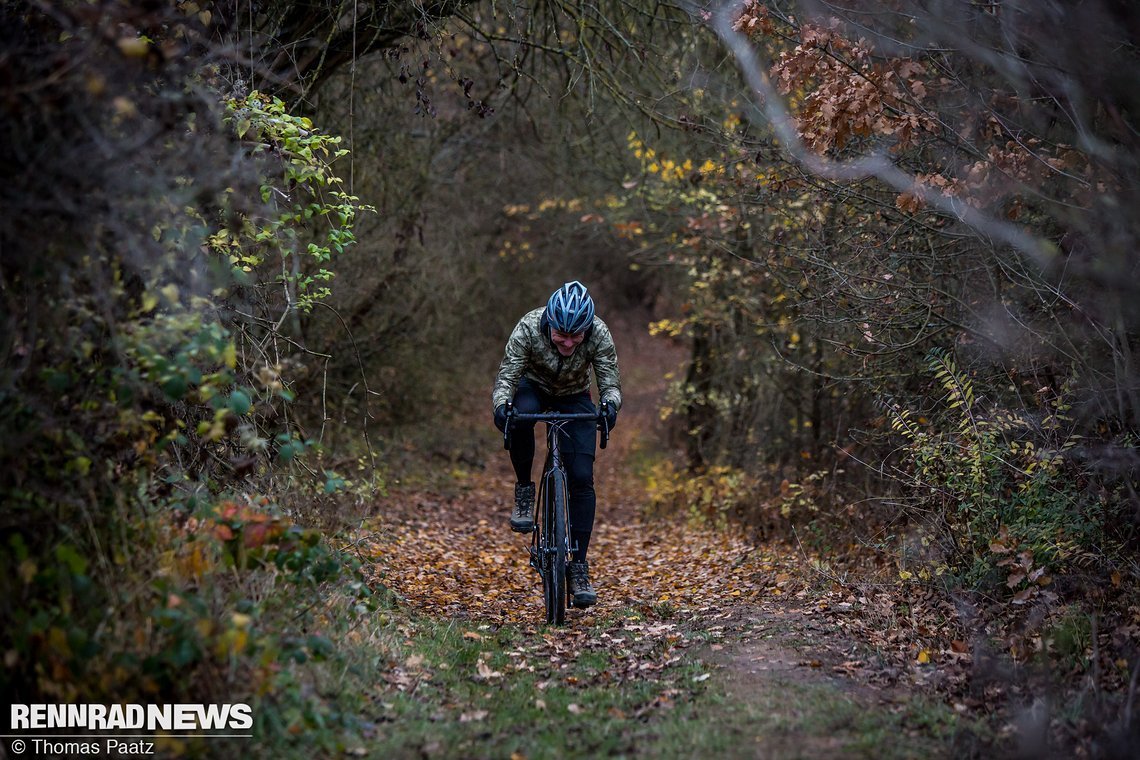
(239, 403)
(66, 554)
(333, 482)
(287, 452)
(175, 387)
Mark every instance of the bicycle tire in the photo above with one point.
(542, 534)
(556, 543)
(561, 545)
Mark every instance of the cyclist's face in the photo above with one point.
(566, 342)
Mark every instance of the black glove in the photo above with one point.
(611, 415)
(501, 418)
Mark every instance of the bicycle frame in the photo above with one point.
(550, 542)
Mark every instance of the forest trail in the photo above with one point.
(703, 642)
(455, 555)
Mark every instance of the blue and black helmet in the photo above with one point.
(570, 308)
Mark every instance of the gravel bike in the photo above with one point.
(550, 546)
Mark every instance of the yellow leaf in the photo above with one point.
(241, 638)
(57, 641)
(132, 47)
(197, 563)
(27, 571)
(924, 657)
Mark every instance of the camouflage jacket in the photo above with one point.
(530, 354)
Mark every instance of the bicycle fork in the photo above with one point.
(540, 556)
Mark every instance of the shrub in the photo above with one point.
(1002, 489)
(160, 237)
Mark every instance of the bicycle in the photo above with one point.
(550, 540)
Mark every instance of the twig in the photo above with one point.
(774, 110)
(815, 565)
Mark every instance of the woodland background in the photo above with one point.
(253, 256)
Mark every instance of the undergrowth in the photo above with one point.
(160, 534)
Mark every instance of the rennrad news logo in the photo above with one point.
(95, 717)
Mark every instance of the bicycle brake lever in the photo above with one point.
(604, 423)
(507, 427)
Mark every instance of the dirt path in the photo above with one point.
(739, 633)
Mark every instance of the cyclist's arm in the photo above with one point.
(606, 367)
(515, 358)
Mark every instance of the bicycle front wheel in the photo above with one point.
(555, 529)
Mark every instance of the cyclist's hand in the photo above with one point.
(501, 418)
(611, 416)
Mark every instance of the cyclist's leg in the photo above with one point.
(578, 448)
(526, 401)
(580, 477)
(583, 502)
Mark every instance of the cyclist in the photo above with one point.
(546, 367)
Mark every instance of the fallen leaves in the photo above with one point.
(484, 671)
(478, 569)
(663, 587)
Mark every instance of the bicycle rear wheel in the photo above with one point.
(556, 538)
